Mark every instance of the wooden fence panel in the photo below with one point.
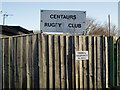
(49, 61)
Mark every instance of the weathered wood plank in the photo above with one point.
(34, 61)
(6, 63)
(41, 81)
(3, 63)
(27, 62)
(95, 59)
(30, 60)
(0, 63)
(24, 74)
(103, 64)
(73, 59)
(102, 61)
(50, 62)
(9, 48)
(90, 63)
(17, 62)
(44, 62)
(62, 62)
(99, 85)
(12, 64)
(15, 58)
(85, 64)
(76, 43)
(47, 61)
(21, 61)
(106, 57)
(67, 84)
(39, 58)
(91, 84)
(57, 77)
(69, 63)
(80, 64)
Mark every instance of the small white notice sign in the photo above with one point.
(81, 55)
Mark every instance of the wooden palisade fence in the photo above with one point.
(48, 61)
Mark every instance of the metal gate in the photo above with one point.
(117, 77)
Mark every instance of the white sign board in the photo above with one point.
(81, 55)
(63, 21)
